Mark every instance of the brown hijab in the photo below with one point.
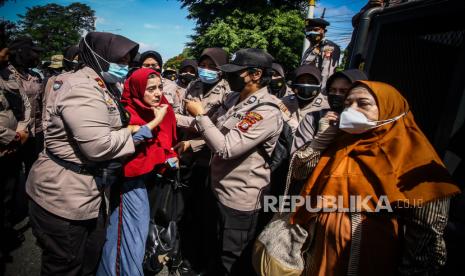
(395, 160)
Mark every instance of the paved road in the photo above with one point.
(26, 259)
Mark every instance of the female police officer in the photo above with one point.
(85, 128)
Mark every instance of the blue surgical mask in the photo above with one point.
(115, 73)
(208, 76)
(118, 70)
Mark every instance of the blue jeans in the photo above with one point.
(133, 231)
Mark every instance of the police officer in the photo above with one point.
(322, 53)
(278, 85)
(174, 91)
(85, 137)
(240, 134)
(15, 117)
(210, 89)
(307, 95)
(24, 55)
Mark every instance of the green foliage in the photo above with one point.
(175, 62)
(345, 60)
(55, 27)
(274, 25)
(279, 32)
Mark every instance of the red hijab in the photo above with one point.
(154, 151)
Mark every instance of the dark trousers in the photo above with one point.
(10, 169)
(192, 231)
(236, 234)
(69, 247)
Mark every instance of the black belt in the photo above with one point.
(75, 167)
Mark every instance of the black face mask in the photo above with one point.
(306, 92)
(236, 82)
(336, 102)
(277, 87)
(186, 78)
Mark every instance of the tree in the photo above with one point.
(175, 62)
(7, 32)
(55, 27)
(274, 25)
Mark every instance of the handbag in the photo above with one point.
(279, 248)
(167, 206)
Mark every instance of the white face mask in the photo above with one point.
(355, 122)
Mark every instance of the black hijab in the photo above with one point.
(98, 48)
(69, 54)
(351, 75)
(153, 54)
(24, 54)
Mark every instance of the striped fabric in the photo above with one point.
(356, 239)
(425, 249)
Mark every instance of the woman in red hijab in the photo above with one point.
(127, 232)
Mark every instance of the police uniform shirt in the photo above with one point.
(325, 56)
(211, 101)
(9, 125)
(83, 126)
(174, 94)
(320, 102)
(31, 85)
(239, 172)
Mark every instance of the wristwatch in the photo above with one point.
(197, 118)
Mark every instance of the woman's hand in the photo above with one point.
(160, 111)
(194, 107)
(182, 146)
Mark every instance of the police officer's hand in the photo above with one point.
(160, 111)
(194, 107)
(23, 136)
(182, 146)
(133, 128)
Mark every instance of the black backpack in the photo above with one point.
(282, 151)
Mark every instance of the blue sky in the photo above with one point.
(162, 24)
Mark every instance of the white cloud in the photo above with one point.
(100, 20)
(177, 27)
(151, 26)
(147, 46)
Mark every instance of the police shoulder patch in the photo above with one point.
(317, 102)
(57, 84)
(249, 120)
(100, 82)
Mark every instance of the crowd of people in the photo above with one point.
(110, 144)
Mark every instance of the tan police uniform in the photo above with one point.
(9, 124)
(83, 126)
(174, 94)
(239, 172)
(325, 56)
(211, 102)
(31, 85)
(319, 103)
